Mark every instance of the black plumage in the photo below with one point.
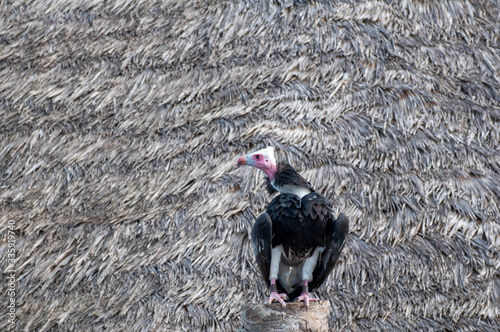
(287, 175)
(299, 224)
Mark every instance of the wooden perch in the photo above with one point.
(261, 317)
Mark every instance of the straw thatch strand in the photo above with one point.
(121, 122)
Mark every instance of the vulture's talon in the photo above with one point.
(277, 297)
(306, 298)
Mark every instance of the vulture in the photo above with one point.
(297, 241)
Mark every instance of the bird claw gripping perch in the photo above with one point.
(274, 296)
(305, 295)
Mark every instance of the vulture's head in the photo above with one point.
(262, 159)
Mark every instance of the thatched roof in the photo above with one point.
(121, 122)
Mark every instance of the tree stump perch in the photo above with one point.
(262, 317)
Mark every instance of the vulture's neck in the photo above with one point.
(286, 180)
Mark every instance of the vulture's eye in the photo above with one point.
(257, 157)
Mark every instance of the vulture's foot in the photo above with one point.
(306, 298)
(278, 297)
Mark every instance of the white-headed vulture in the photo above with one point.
(297, 240)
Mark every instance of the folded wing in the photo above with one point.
(336, 233)
(261, 243)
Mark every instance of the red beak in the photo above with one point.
(242, 160)
(245, 160)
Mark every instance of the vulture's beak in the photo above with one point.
(245, 160)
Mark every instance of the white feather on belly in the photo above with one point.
(292, 272)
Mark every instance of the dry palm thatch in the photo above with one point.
(121, 122)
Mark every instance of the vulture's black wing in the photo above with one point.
(336, 233)
(261, 243)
